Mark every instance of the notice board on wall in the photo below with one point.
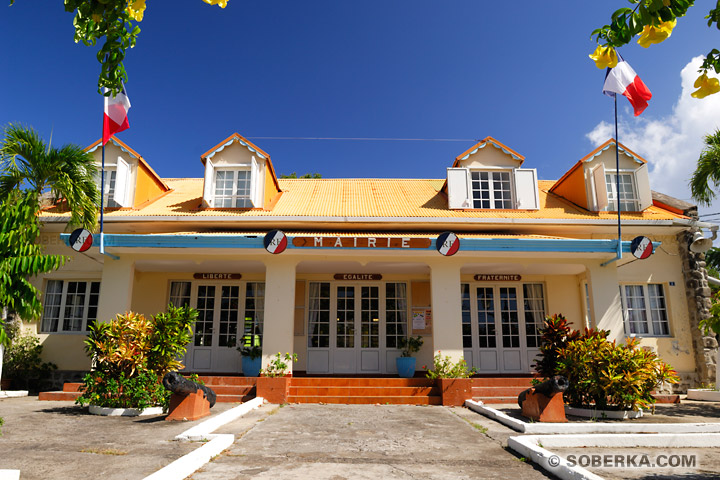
(421, 321)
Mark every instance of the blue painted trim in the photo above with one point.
(466, 244)
(227, 144)
(117, 145)
(637, 160)
(484, 144)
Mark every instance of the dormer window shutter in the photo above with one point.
(599, 188)
(255, 190)
(526, 189)
(458, 181)
(208, 187)
(642, 181)
(122, 183)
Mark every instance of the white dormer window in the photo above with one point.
(236, 185)
(634, 194)
(491, 190)
(109, 197)
(497, 189)
(117, 191)
(628, 193)
(233, 188)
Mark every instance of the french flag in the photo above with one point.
(115, 118)
(623, 80)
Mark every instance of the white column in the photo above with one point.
(605, 299)
(446, 308)
(116, 288)
(279, 308)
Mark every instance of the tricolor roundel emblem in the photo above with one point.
(275, 241)
(447, 244)
(80, 240)
(641, 247)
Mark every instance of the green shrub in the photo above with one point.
(610, 376)
(22, 362)
(169, 338)
(554, 336)
(250, 352)
(113, 390)
(278, 366)
(444, 367)
(131, 354)
(409, 345)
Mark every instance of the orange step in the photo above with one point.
(383, 400)
(360, 382)
(210, 380)
(58, 396)
(364, 391)
(496, 400)
(525, 382)
(497, 391)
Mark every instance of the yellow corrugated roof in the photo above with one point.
(364, 198)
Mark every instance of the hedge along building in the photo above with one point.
(357, 263)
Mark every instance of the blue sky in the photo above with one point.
(518, 71)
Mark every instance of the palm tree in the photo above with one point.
(68, 173)
(708, 169)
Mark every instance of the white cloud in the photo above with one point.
(672, 144)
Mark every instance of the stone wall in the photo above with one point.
(699, 301)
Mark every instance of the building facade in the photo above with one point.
(337, 270)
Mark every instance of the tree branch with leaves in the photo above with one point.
(116, 21)
(653, 21)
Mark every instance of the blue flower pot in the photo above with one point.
(251, 366)
(405, 366)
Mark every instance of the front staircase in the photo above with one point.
(395, 391)
(383, 391)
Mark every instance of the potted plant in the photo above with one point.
(406, 362)
(453, 378)
(274, 383)
(251, 360)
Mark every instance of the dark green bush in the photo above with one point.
(23, 364)
(141, 390)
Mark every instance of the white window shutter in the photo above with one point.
(599, 188)
(458, 188)
(526, 189)
(255, 185)
(122, 183)
(642, 183)
(208, 187)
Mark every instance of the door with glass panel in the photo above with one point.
(500, 326)
(218, 330)
(355, 328)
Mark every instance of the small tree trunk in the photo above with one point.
(2, 351)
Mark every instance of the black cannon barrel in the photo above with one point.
(180, 385)
(549, 388)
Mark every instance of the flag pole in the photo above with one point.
(617, 182)
(102, 197)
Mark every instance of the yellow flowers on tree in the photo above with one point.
(653, 21)
(113, 20)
